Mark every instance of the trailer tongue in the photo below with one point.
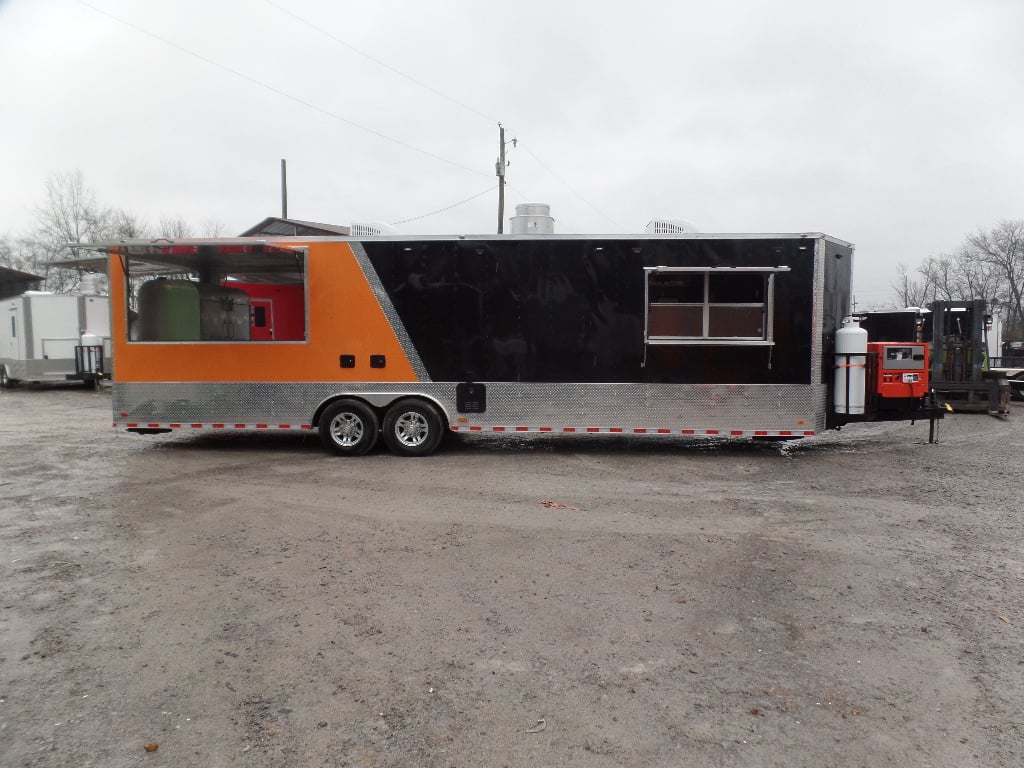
(402, 340)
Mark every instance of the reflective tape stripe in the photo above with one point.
(198, 425)
(634, 430)
(493, 428)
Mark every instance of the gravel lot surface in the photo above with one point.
(243, 600)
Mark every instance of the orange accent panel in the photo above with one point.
(344, 319)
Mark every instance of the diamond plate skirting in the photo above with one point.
(721, 408)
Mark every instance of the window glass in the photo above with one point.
(743, 287)
(677, 288)
(676, 320)
(736, 322)
(709, 306)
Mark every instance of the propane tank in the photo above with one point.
(850, 365)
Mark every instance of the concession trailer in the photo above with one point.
(406, 339)
(51, 337)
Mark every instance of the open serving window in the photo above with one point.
(709, 305)
(212, 290)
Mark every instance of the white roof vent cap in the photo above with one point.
(370, 229)
(532, 219)
(669, 227)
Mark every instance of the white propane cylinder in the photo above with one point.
(850, 367)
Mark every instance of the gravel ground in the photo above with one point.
(849, 600)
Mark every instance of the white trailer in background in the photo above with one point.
(50, 337)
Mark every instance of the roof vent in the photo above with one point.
(370, 229)
(89, 285)
(669, 227)
(532, 219)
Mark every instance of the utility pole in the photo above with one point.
(284, 190)
(499, 168)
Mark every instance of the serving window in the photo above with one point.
(213, 291)
(719, 305)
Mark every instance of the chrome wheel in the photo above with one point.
(413, 427)
(346, 430)
(349, 427)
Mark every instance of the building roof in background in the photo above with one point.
(272, 225)
(14, 282)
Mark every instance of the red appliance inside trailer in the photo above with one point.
(276, 312)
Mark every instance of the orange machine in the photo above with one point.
(900, 369)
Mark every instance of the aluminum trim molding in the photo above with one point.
(363, 260)
(653, 407)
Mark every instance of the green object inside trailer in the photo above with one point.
(168, 311)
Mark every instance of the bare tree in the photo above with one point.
(69, 214)
(978, 277)
(175, 227)
(13, 256)
(935, 280)
(910, 292)
(125, 225)
(213, 228)
(988, 265)
(1002, 249)
(178, 227)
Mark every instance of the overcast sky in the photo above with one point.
(897, 125)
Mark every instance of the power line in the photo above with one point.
(570, 187)
(378, 62)
(341, 118)
(436, 92)
(447, 208)
(280, 92)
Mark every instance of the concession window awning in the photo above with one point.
(243, 259)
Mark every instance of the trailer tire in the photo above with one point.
(413, 427)
(349, 428)
(5, 380)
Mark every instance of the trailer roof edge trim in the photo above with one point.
(282, 240)
(142, 247)
(186, 246)
(253, 259)
(713, 268)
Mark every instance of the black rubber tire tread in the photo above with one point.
(428, 415)
(360, 411)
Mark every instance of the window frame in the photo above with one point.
(767, 307)
(224, 264)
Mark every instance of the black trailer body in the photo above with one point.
(710, 334)
(715, 310)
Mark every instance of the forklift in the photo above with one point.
(961, 375)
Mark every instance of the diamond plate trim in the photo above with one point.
(600, 407)
(397, 327)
